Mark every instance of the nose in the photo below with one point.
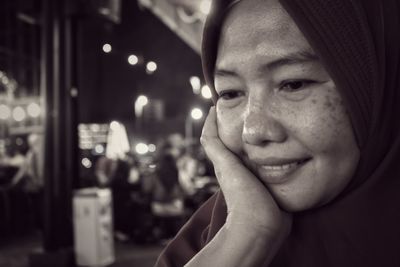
(262, 125)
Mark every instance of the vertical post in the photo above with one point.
(60, 142)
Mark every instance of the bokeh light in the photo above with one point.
(5, 112)
(18, 114)
(152, 148)
(142, 100)
(141, 148)
(107, 48)
(205, 6)
(33, 110)
(99, 149)
(87, 163)
(151, 66)
(196, 114)
(133, 59)
(196, 84)
(95, 127)
(206, 92)
(114, 125)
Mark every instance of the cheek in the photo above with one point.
(329, 125)
(230, 128)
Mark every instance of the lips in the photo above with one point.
(278, 170)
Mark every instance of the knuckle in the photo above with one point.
(218, 172)
(204, 140)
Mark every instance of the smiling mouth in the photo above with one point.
(279, 173)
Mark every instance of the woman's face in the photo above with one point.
(278, 108)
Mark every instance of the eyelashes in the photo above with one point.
(287, 86)
(229, 94)
(295, 85)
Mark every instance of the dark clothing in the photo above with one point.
(167, 198)
(121, 197)
(358, 42)
(167, 177)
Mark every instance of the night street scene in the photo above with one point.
(102, 104)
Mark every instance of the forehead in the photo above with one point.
(258, 30)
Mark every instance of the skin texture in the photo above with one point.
(279, 137)
(277, 101)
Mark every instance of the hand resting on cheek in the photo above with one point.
(255, 227)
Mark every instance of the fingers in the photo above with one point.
(210, 140)
(242, 189)
(251, 207)
(225, 162)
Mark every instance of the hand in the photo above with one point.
(255, 226)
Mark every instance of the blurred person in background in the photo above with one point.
(7, 169)
(27, 184)
(104, 169)
(30, 171)
(188, 171)
(141, 231)
(196, 178)
(167, 195)
(120, 187)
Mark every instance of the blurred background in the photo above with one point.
(102, 103)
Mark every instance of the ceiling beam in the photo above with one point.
(181, 16)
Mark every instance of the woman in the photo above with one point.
(302, 136)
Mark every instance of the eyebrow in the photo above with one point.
(287, 60)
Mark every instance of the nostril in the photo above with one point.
(263, 132)
(253, 136)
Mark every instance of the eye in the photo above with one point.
(295, 85)
(229, 94)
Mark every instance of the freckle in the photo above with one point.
(338, 101)
(313, 101)
(331, 104)
(328, 103)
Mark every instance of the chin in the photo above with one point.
(295, 203)
(292, 207)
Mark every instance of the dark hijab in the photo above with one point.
(358, 42)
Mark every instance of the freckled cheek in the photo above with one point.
(230, 128)
(327, 126)
(336, 115)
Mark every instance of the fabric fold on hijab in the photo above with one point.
(358, 42)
